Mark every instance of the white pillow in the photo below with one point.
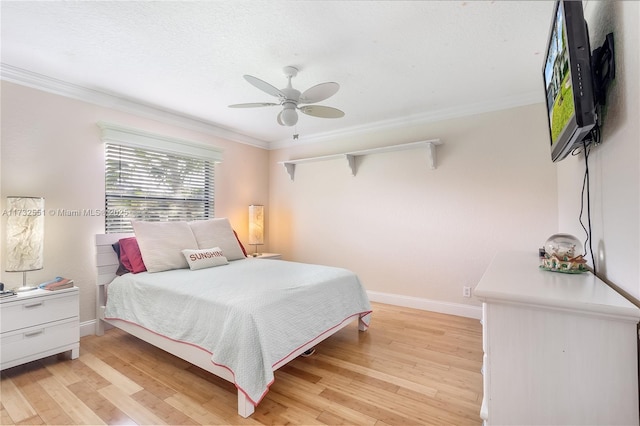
(217, 233)
(205, 258)
(161, 244)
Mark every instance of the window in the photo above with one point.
(174, 182)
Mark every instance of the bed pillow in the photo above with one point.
(161, 244)
(205, 258)
(217, 233)
(130, 255)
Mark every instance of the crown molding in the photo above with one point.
(121, 103)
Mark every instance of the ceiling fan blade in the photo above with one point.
(319, 92)
(252, 105)
(321, 111)
(264, 86)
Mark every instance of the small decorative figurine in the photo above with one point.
(562, 253)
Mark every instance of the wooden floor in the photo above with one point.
(410, 367)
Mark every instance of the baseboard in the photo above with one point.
(450, 308)
(88, 328)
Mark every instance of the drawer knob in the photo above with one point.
(34, 333)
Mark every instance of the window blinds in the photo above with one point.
(146, 184)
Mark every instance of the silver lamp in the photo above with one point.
(256, 227)
(25, 236)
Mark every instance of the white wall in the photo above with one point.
(50, 147)
(614, 165)
(408, 230)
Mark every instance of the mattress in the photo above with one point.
(249, 315)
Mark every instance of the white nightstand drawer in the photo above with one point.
(37, 342)
(25, 312)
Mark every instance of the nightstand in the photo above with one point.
(37, 324)
(267, 256)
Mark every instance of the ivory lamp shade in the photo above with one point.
(25, 234)
(256, 225)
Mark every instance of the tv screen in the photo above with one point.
(568, 80)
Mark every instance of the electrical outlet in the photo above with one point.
(466, 291)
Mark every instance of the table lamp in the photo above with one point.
(256, 227)
(25, 237)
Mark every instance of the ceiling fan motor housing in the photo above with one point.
(291, 94)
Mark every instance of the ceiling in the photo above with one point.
(396, 61)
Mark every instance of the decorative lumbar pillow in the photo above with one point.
(217, 233)
(205, 258)
(161, 244)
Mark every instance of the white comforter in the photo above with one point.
(249, 314)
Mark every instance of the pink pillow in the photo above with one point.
(130, 255)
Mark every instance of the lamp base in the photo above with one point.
(24, 286)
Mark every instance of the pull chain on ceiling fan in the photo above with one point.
(290, 99)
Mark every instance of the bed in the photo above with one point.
(239, 320)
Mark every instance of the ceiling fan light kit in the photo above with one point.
(289, 116)
(290, 99)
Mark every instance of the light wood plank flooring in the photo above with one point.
(411, 367)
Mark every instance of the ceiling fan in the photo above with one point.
(290, 99)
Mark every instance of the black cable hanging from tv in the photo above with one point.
(586, 190)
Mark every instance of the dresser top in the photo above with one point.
(514, 277)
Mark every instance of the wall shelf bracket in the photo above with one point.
(291, 169)
(431, 154)
(351, 159)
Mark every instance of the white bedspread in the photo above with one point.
(249, 314)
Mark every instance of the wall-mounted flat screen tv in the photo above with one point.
(568, 80)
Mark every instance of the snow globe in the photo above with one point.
(563, 253)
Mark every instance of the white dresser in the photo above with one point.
(558, 348)
(37, 324)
